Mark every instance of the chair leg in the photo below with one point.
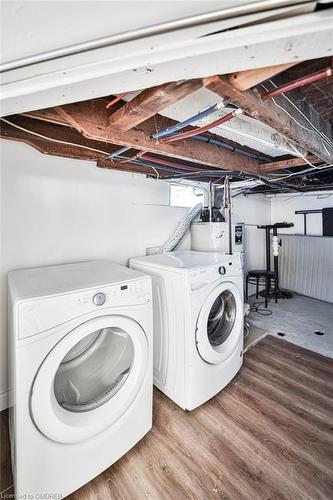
(276, 290)
(266, 293)
(257, 288)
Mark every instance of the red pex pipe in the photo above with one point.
(118, 98)
(170, 163)
(199, 130)
(158, 161)
(300, 82)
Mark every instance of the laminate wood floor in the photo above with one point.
(268, 435)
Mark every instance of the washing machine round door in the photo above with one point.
(89, 379)
(219, 324)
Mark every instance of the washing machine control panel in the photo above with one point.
(202, 277)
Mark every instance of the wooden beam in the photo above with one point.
(159, 121)
(244, 80)
(47, 115)
(57, 143)
(151, 101)
(48, 147)
(290, 163)
(58, 135)
(267, 112)
(91, 120)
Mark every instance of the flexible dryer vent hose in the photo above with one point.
(181, 229)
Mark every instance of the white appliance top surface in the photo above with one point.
(53, 280)
(185, 259)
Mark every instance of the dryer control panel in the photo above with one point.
(39, 315)
(201, 277)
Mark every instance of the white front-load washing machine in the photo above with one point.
(198, 322)
(81, 372)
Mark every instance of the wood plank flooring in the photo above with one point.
(268, 435)
(6, 478)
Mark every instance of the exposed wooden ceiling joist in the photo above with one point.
(91, 120)
(57, 147)
(57, 137)
(53, 117)
(244, 80)
(282, 121)
(150, 101)
(68, 143)
(47, 115)
(159, 122)
(291, 163)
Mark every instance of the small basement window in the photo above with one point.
(185, 196)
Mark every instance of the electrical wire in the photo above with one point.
(59, 141)
(106, 153)
(312, 169)
(302, 172)
(257, 308)
(306, 118)
(67, 143)
(314, 129)
(117, 155)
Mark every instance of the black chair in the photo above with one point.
(261, 277)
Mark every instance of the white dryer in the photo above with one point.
(198, 322)
(81, 372)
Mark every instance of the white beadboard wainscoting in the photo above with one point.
(306, 265)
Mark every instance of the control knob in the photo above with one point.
(99, 299)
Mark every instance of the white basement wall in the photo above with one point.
(283, 208)
(253, 210)
(57, 210)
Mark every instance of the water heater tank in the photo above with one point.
(214, 237)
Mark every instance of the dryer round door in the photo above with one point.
(219, 324)
(89, 379)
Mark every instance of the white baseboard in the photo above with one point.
(4, 400)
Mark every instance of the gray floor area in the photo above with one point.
(298, 318)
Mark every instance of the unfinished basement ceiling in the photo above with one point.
(318, 94)
(242, 129)
(276, 145)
